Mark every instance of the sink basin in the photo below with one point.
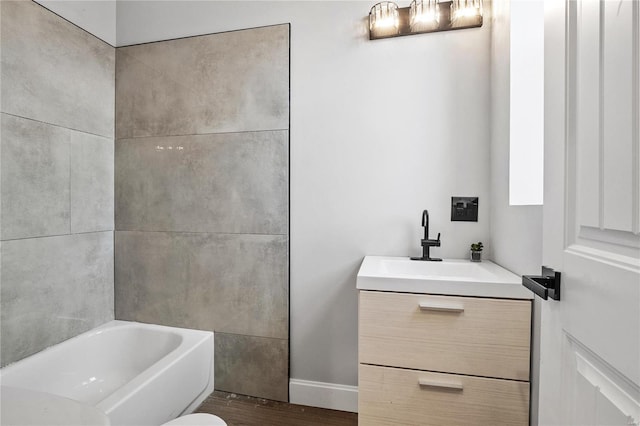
(451, 277)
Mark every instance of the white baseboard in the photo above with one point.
(323, 395)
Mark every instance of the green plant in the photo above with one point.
(477, 246)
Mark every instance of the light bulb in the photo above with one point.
(384, 19)
(462, 11)
(424, 15)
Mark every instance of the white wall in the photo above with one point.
(380, 130)
(516, 231)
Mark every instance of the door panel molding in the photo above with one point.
(603, 197)
(595, 389)
(620, 238)
(605, 257)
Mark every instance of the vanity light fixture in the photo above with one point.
(424, 15)
(387, 20)
(463, 11)
(384, 20)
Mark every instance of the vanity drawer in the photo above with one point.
(463, 335)
(392, 396)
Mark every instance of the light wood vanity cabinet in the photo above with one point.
(443, 360)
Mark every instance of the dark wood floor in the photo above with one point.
(240, 410)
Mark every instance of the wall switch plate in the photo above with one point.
(464, 209)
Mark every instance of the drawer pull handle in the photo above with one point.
(443, 307)
(437, 384)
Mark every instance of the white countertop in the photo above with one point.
(456, 277)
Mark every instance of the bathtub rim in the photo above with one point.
(190, 338)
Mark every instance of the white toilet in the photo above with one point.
(199, 419)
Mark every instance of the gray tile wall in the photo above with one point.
(202, 189)
(54, 72)
(228, 183)
(233, 283)
(56, 180)
(221, 83)
(246, 363)
(54, 288)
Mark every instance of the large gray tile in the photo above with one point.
(232, 183)
(35, 178)
(220, 282)
(228, 82)
(55, 72)
(52, 289)
(92, 183)
(252, 366)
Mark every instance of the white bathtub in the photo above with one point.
(138, 374)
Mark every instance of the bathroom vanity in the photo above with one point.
(442, 343)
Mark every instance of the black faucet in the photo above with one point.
(426, 242)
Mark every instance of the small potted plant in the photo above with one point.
(476, 252)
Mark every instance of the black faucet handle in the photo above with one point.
(438, 239)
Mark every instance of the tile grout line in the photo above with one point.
(57, 125)
(38, 237)
(75, 25)
(289, 218)
(200, 35)
(202, 232)
(635, 207)
(113, 142)
(251, 335)
(601, 150)
(130, 138)
(69, 148)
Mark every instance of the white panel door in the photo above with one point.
(590, 339)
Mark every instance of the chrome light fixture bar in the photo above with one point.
(387, 20)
